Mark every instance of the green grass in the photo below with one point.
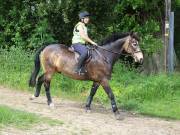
(16, 67)
(155, 95)
(22, 119)
(165, 108)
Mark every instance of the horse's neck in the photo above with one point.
(115, 47)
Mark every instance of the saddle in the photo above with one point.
(89, 55)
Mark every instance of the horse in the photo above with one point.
(58, 58)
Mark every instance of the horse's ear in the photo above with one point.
(135, 33)
(131, 33)
(136, 36)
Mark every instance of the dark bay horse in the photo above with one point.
(58, 58)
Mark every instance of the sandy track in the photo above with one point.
(77, 122)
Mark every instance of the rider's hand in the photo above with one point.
(93, 43)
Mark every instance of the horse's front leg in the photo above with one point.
(91, 95)
(110, 94)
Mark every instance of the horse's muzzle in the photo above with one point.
(138, 57)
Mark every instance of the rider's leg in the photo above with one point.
(82, 50)
(81, 61)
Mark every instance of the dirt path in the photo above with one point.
(77, 122)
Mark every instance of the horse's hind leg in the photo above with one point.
(38, 87)
(91, 95)
(47, 81)
(48, 94)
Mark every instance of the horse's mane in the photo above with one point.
(116, 36)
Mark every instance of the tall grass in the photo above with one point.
(156, 95)
(16, 67)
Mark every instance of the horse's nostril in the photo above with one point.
(141, 61)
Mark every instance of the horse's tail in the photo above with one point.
(37, 65)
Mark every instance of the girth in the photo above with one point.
(89, 55)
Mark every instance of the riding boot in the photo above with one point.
(79, 64)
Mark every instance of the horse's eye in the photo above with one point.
(134, 44)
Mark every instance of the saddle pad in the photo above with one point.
(76, 54)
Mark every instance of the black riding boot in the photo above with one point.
(80, 63)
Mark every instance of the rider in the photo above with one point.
(80, 38)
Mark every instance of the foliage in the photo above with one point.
(177, 2)
(30, 23)
(23, 24)
(143, 17)
(156, 95)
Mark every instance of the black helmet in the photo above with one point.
(83, 14)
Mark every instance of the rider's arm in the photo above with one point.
(84, 36)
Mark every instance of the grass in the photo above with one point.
(155, 95)
(22, 119)
(168, 108)
(16, 67)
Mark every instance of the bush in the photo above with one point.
(29, 24)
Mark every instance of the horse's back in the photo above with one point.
(57, 56)
(55, 47)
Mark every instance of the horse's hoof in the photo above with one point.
(88, 110)
(51, 105)
(32, 97)
(118, 116)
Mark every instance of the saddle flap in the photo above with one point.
(89, 56)
(71, 49)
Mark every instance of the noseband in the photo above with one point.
(133, 51)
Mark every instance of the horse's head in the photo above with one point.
(131, 47)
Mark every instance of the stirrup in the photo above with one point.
(81, 71)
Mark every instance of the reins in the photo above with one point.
(109, 50)
(116, 52)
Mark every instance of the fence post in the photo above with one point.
(171, 44)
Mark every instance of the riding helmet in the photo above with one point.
(83, 14)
